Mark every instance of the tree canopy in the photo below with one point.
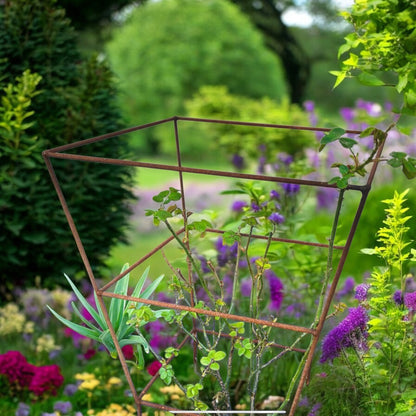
(166, 50)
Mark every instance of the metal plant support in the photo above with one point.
(63, 152)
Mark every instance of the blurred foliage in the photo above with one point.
(73, 100)
(250, 142)
(180, 46)
(382, 42)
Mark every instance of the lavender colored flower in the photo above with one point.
(262, 165)
(274, 194)
(286, 159)
(276, 218)
(361, 292)
(398, 297)
(347, 114)
(22, 410)
(238, 206)
(290, 188)
(70, 389)
(224, 252)
(410, 301)
(245, 287)
(315, 409)
(238, 161)
(276, 290)
(62, 407)
(346, 289)
(326, 198)
(309, 106)
(255, 207)
(204, 264)
(351, 332)
(296, 309)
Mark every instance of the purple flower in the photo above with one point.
(274, 194)
(296, 309)
(70, 389)
(347, 288)
(255, 207)
(410, 301)
(224, 252)
(276, 218)
(351, 332)
(326, 198)
(204, 264)
(22, 410)
(309, 106)
(290, 188)
(238, 161)
(245, 288)
(262, 164)
(398, 297)
(238, 206)
(361, 292)
(286, 159)
(276, 290)
(315, 409)
(347, 114)
(62, 407)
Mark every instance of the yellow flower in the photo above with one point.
(11, 320)
(171, 390)
(114, 381)
(84, 376)
(46, 343)
(89, 384)
(148, 397)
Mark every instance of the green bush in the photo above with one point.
(166, 50)
(216, 102)
(73, 100)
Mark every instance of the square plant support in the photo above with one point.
(181, 130)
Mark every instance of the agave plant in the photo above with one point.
(119, 313)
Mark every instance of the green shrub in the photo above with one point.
(73, 100)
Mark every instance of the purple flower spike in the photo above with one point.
(276, 218)
(410, 301)
(351, 332)
(398, 297)
(291, 188)
(276, 290)
(274, 194)
(347, 288)
(238, 206)
(347, 114)
(238, 161)
(361, 292)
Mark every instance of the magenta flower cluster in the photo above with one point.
(21, 375)
(351, 332)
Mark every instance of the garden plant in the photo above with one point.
(236, 323)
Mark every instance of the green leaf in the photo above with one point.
(347, 142)
(214, 366)
(368, 79)
(87, 332)
(87, 305)
(340, 77)
(332, 136)
(219, 355)
(117, 306)
(205, 361)
(409, 169)
(160, 196)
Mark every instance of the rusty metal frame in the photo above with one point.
(61, 152)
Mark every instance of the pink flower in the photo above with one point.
(153, 367)
(128, 352)
(46, 380)
(15, 367)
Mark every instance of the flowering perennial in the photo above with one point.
(351, 332)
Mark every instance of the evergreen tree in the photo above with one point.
(74, 100)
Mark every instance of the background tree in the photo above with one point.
(74, 100)
(180, 46)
